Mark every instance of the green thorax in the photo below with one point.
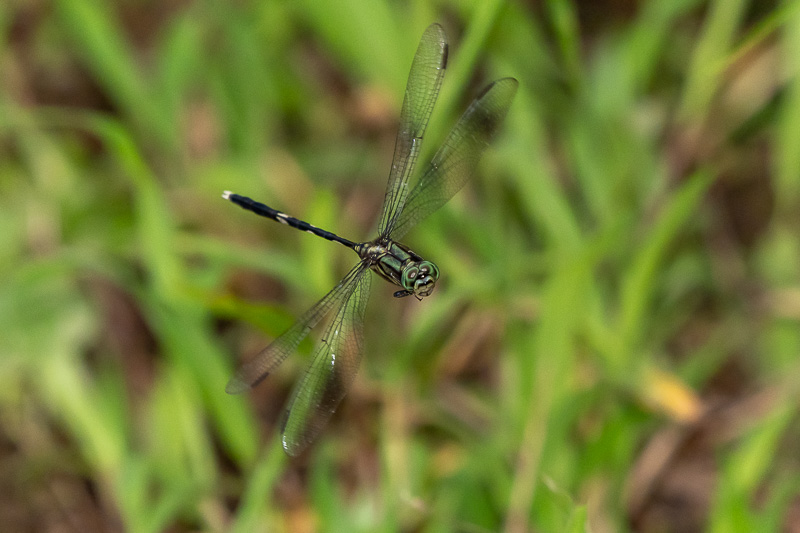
(397, 264)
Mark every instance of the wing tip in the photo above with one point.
(509, 83)
(236, 386)
(291, 448)
(435, 26)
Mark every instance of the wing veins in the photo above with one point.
(422, 89)
(254, 371)
(330, 372)
(455, 162)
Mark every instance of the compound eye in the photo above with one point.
(410, 275)
(429, 270)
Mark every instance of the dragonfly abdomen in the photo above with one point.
(266, 211)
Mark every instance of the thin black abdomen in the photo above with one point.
(266, 211)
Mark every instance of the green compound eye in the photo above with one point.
(429, 268)
(410, 275)
(420, 278)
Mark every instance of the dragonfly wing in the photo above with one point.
(331, 371)
(253, 372)
(424, 81)
(456, 160)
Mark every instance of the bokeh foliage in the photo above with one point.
(614, 343)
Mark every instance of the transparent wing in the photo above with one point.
(456, 160)
(424, 81)
(254, 371)
(330, 373)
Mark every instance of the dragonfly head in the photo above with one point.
(419, 278)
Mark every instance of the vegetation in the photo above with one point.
(614, 342)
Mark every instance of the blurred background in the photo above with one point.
(614, 342)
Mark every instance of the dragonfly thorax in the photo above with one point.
(397, 264)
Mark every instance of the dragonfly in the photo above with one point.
(337, 355)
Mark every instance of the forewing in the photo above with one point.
(330, 373)
(456, 160)
(424, 81)
(254, 371)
